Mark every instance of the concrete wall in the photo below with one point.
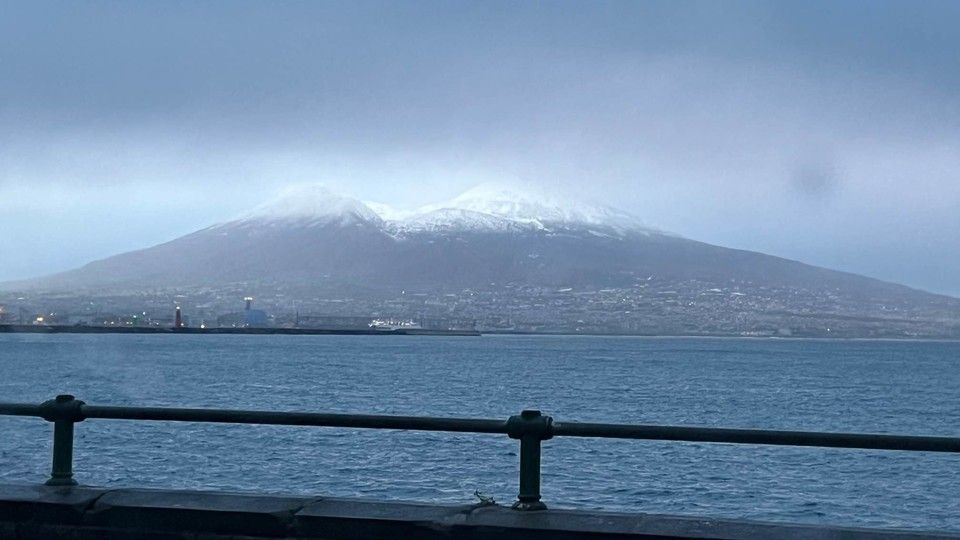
(33, 512)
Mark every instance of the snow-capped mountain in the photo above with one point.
(485, 208)
(538, 260)
(487, 237)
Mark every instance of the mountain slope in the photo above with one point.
(486, 235)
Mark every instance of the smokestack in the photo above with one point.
(248, 300)
(178, 320)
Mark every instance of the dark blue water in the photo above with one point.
(896, 387)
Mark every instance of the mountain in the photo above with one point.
(488, 234)
(516, 259)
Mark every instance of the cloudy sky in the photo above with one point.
(822, 131)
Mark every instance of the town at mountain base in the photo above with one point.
(492, 258)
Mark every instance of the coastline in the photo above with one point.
(80, 329)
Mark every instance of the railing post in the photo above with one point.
(64, 412)
(531, 428)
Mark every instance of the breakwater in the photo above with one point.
(83, 329)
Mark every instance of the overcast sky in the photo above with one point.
(827, 132)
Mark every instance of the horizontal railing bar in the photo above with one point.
(865, 441)
(20, 409)
(369, 421)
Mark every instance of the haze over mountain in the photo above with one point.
(313, 243)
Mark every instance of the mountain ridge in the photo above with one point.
(487, 206)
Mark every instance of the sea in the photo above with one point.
(898, 387)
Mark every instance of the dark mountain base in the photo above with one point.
(555, 279)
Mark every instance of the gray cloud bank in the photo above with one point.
(823, 131)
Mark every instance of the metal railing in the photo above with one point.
(530, 427)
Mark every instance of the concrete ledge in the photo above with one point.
(197, 512)
(33, 512)
(358, 519)
(44, 504)
(563, 524)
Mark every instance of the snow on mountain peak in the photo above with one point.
(538, 207)
(457, 219)
(487, 207)
(314, 204)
